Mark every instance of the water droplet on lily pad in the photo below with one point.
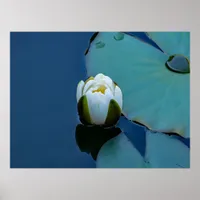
(178, 63)
(119, 36)
(99, 44)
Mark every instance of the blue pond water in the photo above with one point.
(45, 70)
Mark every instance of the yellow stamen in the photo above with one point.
(101, 89)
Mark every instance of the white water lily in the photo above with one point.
(99, 101)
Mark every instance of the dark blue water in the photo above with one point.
(45, 70)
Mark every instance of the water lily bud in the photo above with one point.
(99, 101)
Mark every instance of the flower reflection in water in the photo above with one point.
(109, 147)
(90, 139)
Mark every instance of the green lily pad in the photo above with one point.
(119, 152)
(153, 95)
(172, 42)
(164, 151)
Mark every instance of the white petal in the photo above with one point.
(79, 90)
(98, 107)
(108, 94)
(109, 82)
(118, 96)
(105, 80)
(108, 79)
(88, 85)
(99, 76)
